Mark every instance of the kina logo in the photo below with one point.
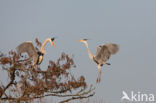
(137, 97)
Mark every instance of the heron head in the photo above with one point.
(52, 41)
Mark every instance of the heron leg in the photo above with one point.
(99, 73)
(34, 60)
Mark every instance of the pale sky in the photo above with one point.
(129, 23)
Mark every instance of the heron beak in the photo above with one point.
(79, 40)
(52, 43)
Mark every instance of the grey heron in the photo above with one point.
(33, 53)
(103, 53)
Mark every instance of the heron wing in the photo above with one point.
(102, 54)
(27, 47)
(113, 48)
(98, 50)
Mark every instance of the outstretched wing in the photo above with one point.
(27, 47)
(102, 54)
(98, 49)
(113, 48)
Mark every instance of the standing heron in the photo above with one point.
(33, 53)
(103, 53)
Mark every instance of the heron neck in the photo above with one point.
(43, 45)
(89, 52)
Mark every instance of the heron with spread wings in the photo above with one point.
(103, 53)
(33, 53)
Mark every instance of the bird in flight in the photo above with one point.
(33, 53)
(103, 53)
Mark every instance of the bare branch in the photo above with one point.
(79, 97)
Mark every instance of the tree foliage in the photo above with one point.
(27, 82)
